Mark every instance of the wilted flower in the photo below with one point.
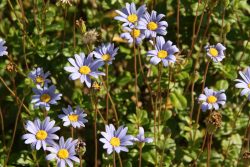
(245, 83)
(211, 99)
(164, 51)
(141, 138)
(246, 155)
(41, 133)
(3, 49)
(74, 118)
(116, 140)
(39, 77)
(153, 25)
(213, 122)
(106, 52)
(45, 96)
(64, 153)
(133, 33)
(129, 15)
(81, 24)
(90, 36)
(215, 52)
(83, 68)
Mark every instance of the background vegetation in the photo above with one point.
(44, 34)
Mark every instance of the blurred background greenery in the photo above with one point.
(44, 34)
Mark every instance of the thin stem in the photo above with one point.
(64, 26)
(72, 131)
(145, 78)
(135, 70)
(195, 35)
(94, 101)
(15, 96)
(178, 23)
(158, 97)
(199, 108)
(140, 153)
(209, 143)
(112, 102)
(107, 89)
(14, 132)
(2, 128)
(120, 160)
(114, 163)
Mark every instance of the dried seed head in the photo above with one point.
(81, 25)
(11, 67)
(66, 2)
(80, 147)
(213, 121)
(90, 37)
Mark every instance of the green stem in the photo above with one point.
(107, 89)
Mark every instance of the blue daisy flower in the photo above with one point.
(39, 77)
(106, 53)
(3, 49)
(164, 51)
(116, 140)
(45, 96)
(82, 68)
(152, 24)
(141, 138)
(244, 83)
(129, 15)
(64, 152)
(211, 99)
(74, 118)
(215, 52)
(133, 33)
(41, 133)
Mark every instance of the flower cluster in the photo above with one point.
(44, 94)
(139, 24)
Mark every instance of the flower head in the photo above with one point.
(106, 53)
(90, 36)
(244, 82)
(215, 52)
(116, 140)
(41, 133)
(73, 117)
(84, 67)
(129, 15)
(133, 33)
(211, 99)
(39, 77)
(153, 25)
(64, 153)
(164, 51)
(141, 138)
(45, 96)
(3, 49)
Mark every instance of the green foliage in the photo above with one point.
(44, 34)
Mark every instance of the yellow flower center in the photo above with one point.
(73, 118)
(106, 57)
(63, 153)
(84, 70)
(249, 85)
(152, 26)
(41, 135)
(39, 79)
(135, 33)
(162, 54)
(115, 142)
(211, 99)
(213, 52)
(132, 18)
(45, 98)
